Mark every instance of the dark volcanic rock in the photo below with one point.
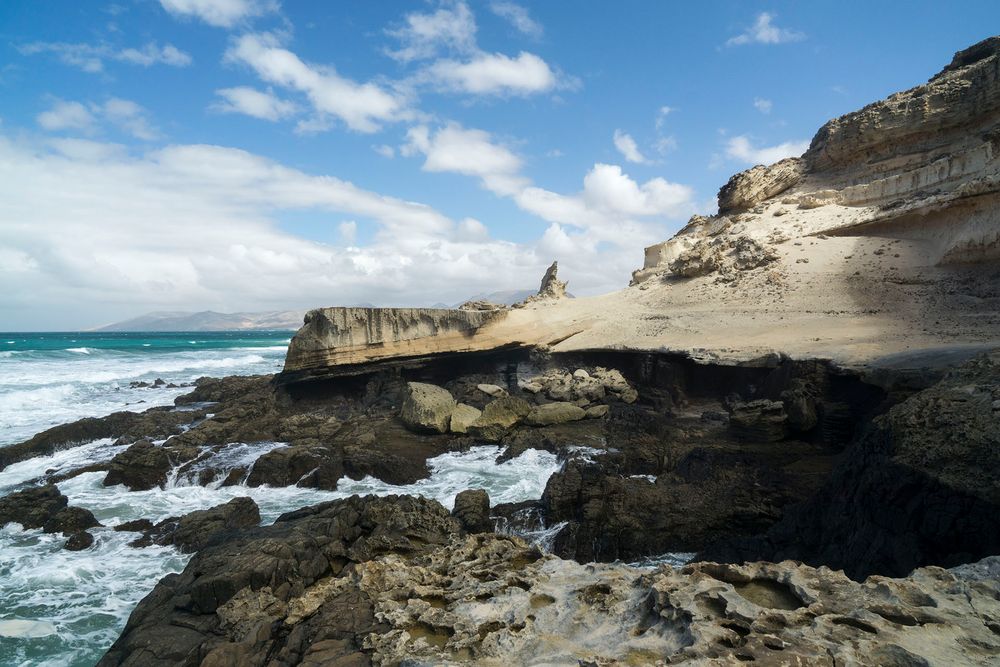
(922, 487)
(221, 609)
(316, 466)
(46, 508)
(154, 423)
(194, 531)
(472, 509)
(79, 541)
(140, 467)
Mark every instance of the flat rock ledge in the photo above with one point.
(389, 581)
(343, 338)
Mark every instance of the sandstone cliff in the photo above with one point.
(881, 244)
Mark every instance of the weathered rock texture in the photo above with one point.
(347, 336)
(923, 164)
(392, 581)
(921, 487)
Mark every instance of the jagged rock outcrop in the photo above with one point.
(46, 508)
(345, 337)
(753, 186)
(195, 530)
(923, 162)
(386, 581)
(922, 487)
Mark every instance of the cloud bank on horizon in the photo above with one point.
(249, 154)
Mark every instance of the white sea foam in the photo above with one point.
(79, 350)
(88, 595)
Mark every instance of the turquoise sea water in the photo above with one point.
(63, 608)
(52, 378)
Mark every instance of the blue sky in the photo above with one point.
(257, 154)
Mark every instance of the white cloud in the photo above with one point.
(518, 17)
(385, 150)
(91, 57)
(763, 31)
(627, 147)
(666, 144)
(102, 234)
(743, 149)
(446, 38)
(252, 102)
(470, 152)
(130, 118)
(494, 74)
(423, 35)
(220, 13)
(151, 54)
(661, 115)
(348, 231)
(126, 115)
(363, 107)
(67, 116)
(763, 105)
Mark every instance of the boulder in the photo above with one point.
(554, 413)
(503, 412)
(472, 509)
(759, 421)
(79, 541)
(316, 466)
(427, 408)
(193, 531)
(494, 390)
(140, 467)
(462, 417)
(46, 508)
(597, 411)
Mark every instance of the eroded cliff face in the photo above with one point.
(346, 336)
(921, 165)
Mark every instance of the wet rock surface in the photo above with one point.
(383, 581)
(921, 487)
(46, 508)
(274, 595)
(197, 529)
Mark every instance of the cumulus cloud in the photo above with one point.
(220, 13)
(611, 208)
(518, 17)
(627, 147)
(423, 35)
(67, 116)
(125, 115)
(446, 38)
(763, 105)
(493, 74)
(363, 107)
(198, 226)
(92, 57)
(466, 151)
(385, 150)
(742, 148)
(252, 102)
(763, 31)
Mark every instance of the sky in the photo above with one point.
(247, 155)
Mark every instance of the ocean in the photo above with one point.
(63, 608)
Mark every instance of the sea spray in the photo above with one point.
(87, 596)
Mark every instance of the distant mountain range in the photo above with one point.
(209, 320)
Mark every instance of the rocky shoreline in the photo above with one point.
(833, 512)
